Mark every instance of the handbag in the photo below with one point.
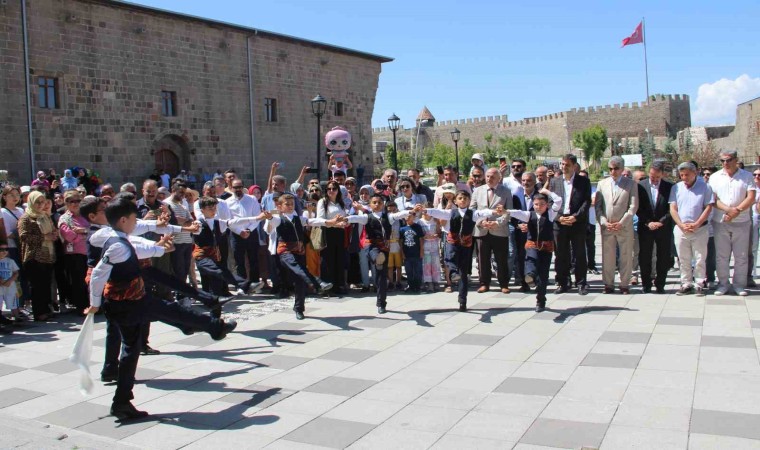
(317, 238)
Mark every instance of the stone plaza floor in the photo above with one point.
(640, 371)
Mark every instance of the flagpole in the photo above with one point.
(646, 68)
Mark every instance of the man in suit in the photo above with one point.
(570, 225)
(655, 227)
(617, 199)
(492, 235)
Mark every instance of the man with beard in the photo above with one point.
(245, 246)
(420, 188)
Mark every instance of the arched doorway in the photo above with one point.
(167, 161)
(171, 154)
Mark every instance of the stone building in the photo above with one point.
(663, 117)
(122, 89)
(744, 137)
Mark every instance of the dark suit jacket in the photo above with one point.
(580, 200)
(660, 211)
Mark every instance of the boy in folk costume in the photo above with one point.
(540, 244)
(378, 225)
(291, 248)
(117, 286)
(462, 221)
(206, 250)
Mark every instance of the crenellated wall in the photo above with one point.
(664, 116)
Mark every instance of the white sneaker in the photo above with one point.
(380, 260)
(741, 292)
(255, 288)
(240, 292)
(530, 282)
(721, 291)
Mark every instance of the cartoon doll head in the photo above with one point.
(338, 140)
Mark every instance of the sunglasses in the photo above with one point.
(406, 186)
(615, 168)
(517, 166)
(756, 175)
(3, 249)
(237, 187)
(332, 189)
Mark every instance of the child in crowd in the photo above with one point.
(395, 255)
(540, 244)
(431, 267)
(411, 238)
(313, 259)
(462, 221)
(378, 226)
(291, 249)
(9, 272)
(361, 206)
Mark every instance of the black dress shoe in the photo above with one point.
(127, 411)
(148, 350)
(227, 328)
(524, 288)
(187, 331)
(540, 307)
(583, 289)
(463, 307)
(108, 378)
(299, 315)
(562, 290)
(381, 309)
(646, 290)
(660, 290)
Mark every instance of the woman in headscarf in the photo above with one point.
(68, 182)
(36, 234)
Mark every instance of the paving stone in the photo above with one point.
(7, 369)
(724, 302)
(282, 361)
(476, 339)
(59, 367)
(625, 337)
(144, 373)
(375, 323)
(711, 442)
(286, 326)
(197, 340)
(530, 386)
(725, 423)
(349, 354)
(726, 341)
(257, 395)
(366, 411)
(13, 396)
(480, 424)
(564, 433)
(755, 323)
(391, 437)
(426, 418)
(620, 437)
(4, 349)
(76, 415)
(609, 360)
(327, 432)
(340, 386)
(688, 321)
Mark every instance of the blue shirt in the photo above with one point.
(8, 266)
(691, 201)
(410, 236)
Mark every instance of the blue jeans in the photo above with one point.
(413, 267)
(365, 266)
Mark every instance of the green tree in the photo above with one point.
(405, 159)
(593, 142)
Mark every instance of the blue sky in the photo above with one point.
(524, 58)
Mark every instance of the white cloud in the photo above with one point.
(716, 102)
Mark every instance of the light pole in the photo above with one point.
(318, 106)
(455, 137)
(393, 124)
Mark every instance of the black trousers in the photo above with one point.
(381, 275)
(459, 261)
(537, 265)
(40, 276)
(220, 276)
(76, 270)
(246, 250)
(591, 246)
(499, 247)
(334, 256)
(129, 317)
(647, 240)
(181, 260)
(566, 238)
(520, 239)
(710, 263)
(302, 279)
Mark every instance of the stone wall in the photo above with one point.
(744, 137)
(112, 62)
(663, 116)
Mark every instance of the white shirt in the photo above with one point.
(731, 191)
(182, 214)
(524, 216)
(333, 209)
(513, 184)
(568, 192)
(222, 210)
(10, 219)
(245, 206)
(653, 192)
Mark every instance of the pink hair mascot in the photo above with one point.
(338, 141)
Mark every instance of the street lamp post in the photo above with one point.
(455, 137)
(318, 106)
(393, 124)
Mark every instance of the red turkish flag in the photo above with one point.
(636, 38)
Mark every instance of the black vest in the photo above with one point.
(128, 270)
(207, 236)
(461, 225)
(540, 228)
(378, 228)
(93, 253)
(290, 231)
